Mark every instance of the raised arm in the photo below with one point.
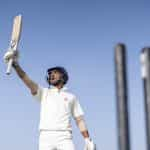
(25, 78)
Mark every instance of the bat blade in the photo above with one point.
(16, 32)
(15, 37)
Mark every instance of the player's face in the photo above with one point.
(54, 77)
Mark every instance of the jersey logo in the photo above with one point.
(65, 99)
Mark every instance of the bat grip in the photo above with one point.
(9, 66)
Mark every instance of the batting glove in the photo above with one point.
(11, 54)
(89, 145)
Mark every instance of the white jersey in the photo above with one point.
(57, 107)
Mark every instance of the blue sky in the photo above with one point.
(79, 35)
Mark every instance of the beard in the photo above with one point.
(56, 83)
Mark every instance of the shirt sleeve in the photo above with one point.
(76, 109)
(39, 93)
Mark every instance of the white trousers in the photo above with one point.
(55, 140)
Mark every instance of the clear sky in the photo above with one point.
(79, 35)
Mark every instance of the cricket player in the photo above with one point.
(58, 105)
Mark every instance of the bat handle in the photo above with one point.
(9, 66)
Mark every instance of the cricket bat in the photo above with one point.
(15, 37)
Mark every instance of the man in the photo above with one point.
(57, 107)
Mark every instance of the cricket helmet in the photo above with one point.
(60, 69)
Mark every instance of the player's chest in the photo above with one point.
(57, 100)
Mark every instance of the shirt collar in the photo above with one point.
(56, 89)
